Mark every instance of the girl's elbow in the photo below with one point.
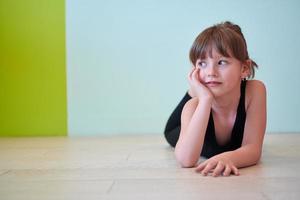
(258, 157)
(187, 164)
(253, 155)
(184, 161)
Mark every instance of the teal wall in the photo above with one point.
(128, 60)
(33, 100)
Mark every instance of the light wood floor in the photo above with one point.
(137, 167)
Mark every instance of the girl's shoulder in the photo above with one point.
(255, 91)
(257, 83)
(255, 87)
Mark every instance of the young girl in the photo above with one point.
(223, 115)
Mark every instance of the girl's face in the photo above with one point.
(222, 75)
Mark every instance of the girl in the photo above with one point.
(223, 115)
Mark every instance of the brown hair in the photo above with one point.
(224, 37)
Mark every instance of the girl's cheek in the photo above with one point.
(201, 76)
(201, 79)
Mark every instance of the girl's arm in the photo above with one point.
(250, 151)
(255, 126)
(194, 119)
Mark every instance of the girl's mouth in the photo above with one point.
(213, 83)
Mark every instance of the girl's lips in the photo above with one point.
(212, 83)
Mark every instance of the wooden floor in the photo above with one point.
(137, 167)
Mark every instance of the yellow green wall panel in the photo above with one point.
(33, 98)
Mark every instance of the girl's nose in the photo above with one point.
(211, 71)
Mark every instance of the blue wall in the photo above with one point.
(127, 60)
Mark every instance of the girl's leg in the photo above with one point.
(172, 129)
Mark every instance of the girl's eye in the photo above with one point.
(201, 64)
(223, 62)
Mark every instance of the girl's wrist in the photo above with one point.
(191, 93)
(205, 99)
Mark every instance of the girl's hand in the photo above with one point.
(197, 89)
(217, 166)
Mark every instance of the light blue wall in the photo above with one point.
(127, 60)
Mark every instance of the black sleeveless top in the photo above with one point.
(211, 146)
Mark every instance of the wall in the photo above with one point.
(128, 60)
(32, 68)
(119, 67)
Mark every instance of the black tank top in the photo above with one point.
(211, 146)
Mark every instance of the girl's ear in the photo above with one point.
(246, 69)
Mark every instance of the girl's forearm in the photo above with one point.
(244, 156)
(189, 145)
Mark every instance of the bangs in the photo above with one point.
(222, 41)
(205, 50)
